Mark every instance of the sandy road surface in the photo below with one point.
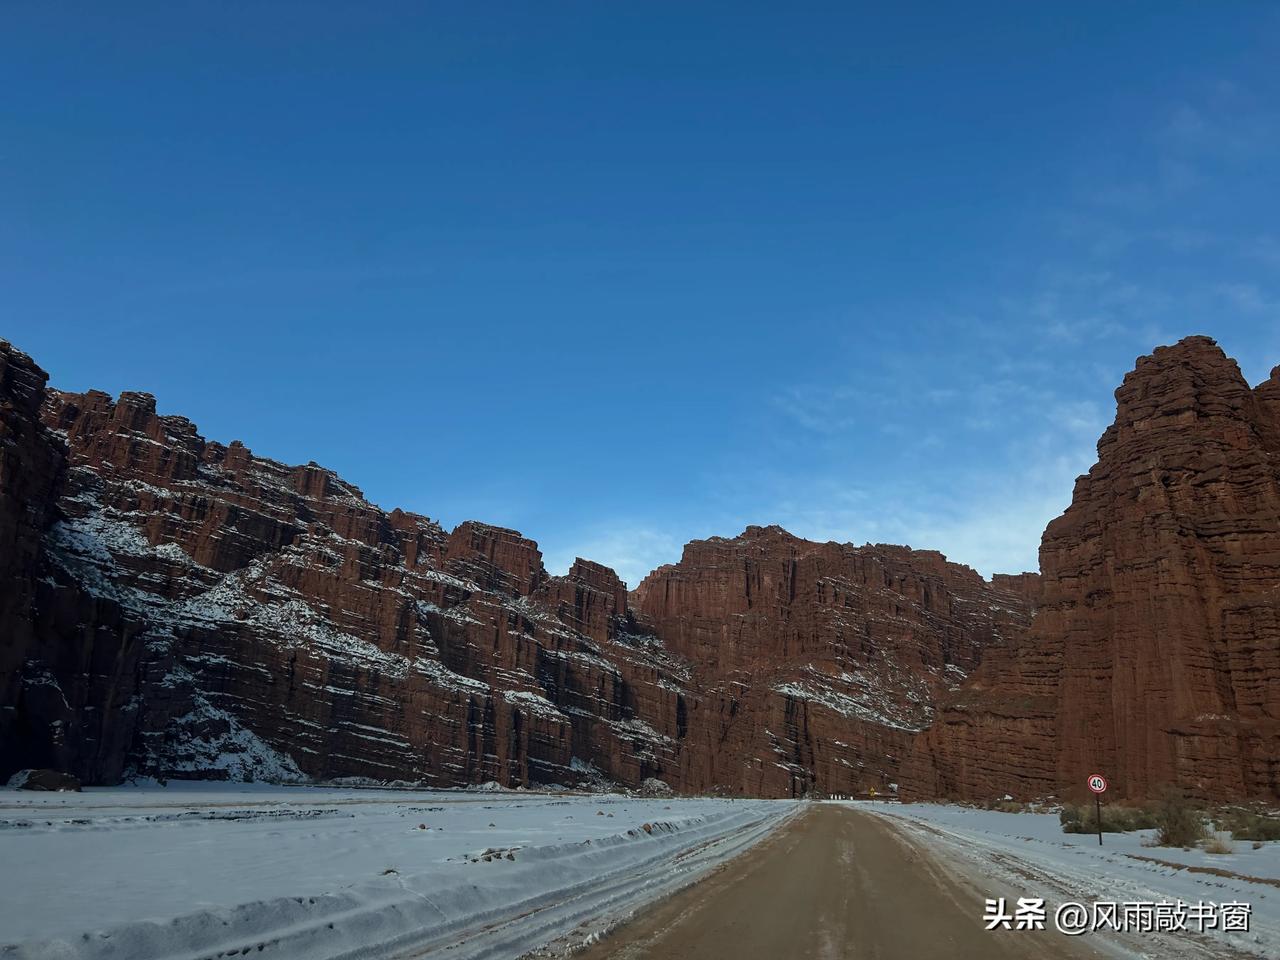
(834, 884)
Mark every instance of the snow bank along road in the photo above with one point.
(194, 871)
(1027, 854)
(910, 883)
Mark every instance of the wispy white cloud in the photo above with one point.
(821, 409)
(630, 548)
(973, 448)
(1076, 306)
(1248, 298)
(1264, 248)
(989, 518)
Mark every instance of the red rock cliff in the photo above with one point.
(200, 611)
(816, 662)
(183, 608)
(1155, 653)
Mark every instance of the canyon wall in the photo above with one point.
(176, 607)
(817, 662)
(30, 474)
(1154, 657)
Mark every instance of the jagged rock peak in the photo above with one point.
(1152, 654)
(21, 378)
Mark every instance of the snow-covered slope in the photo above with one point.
(194, 871)
(1027, 854)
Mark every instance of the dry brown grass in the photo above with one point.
(1083, 818)
(1218, 843)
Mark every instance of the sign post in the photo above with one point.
(1098, 784)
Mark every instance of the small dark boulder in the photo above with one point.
(50, 780)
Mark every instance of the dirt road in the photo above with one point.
(836, 883)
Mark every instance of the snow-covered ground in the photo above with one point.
(200, 870)
(1029, 854)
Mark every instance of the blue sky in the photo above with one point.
(622, 275)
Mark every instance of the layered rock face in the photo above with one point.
(172, 606)
(1154, 656)
(200, 611)
(817, 662)
(180, 608)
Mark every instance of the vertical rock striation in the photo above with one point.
(1154, 656)
(816, 662)
(176, 607)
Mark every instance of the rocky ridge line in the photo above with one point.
(184, 608)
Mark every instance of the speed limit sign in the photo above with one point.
(1098, 784)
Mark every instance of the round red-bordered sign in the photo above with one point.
(1097, 783)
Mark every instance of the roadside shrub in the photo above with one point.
(1082, 818)
(1178, 822)
(1069, 816)
(1007, 806)
(1218, 843)
(1129, 818)
(1244, 825)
